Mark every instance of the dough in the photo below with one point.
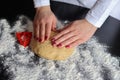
(46, 50)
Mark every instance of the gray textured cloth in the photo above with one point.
(90, 61)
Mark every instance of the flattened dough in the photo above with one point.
(46, 50)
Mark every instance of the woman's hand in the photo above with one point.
(74, 34)
(44, 22)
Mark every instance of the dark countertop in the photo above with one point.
(10, 9)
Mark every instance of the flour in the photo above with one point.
(90, 61)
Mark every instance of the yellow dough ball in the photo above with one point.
(46, 50)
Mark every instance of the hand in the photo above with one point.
(44, 22)
(74, 34)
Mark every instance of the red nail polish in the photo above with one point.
(59, 45)
(37, 39)
(40, 40)
(34, 37)
(54, 29)
(46, 37)
(53, 42)
(67, 46)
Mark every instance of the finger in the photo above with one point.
(37, 32)
(48, 31)
(69, 41)
(34, 29)
(54, 26)
(64, 37)
(67, 30)
(63, 28)
(42, 32)
(75, 43)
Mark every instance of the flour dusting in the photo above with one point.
(91, 61)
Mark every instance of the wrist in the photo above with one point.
(90, 23)
(43, 8)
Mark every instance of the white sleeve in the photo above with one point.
(39, 3)
(100, 12)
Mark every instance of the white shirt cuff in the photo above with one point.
(100, 12)
(97, 22)
(40, 3)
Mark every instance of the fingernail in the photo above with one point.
(54, 29)
(53, 42)
(37, 38)
(59, 45)
(46, 37)
(40, 40)
(58, 31)
(34, 37)
(67, 46)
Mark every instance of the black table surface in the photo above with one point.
(10, 9)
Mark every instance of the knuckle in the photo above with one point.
(77, 42)
(47, 33)
(48, 21)
(84, 39)
(42, 33)
(35, 23)
(76, 32)
(42, 21)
